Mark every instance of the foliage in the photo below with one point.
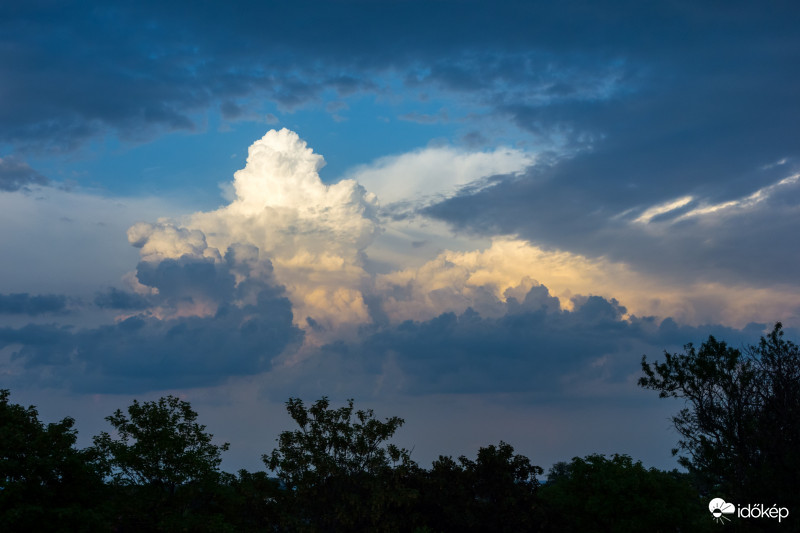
(740, 428)
(160, 444)
(163, 465)
(249, 501)
(496, 492)
(330, 443)
(336, 471)
(598, 494)
(45, 483)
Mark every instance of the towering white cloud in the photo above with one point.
(313, 234)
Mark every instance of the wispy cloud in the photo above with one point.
(15, 174)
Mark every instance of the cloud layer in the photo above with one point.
(279, 282)
(200, 329)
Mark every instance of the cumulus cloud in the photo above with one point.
(289, 262)
(311, 234)
(535, 349)
(342, 266)
(164, 240)
(201, 328)
(485, 278)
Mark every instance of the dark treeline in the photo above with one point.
(159, 470)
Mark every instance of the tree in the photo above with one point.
(336, 471)
(248, 501)
(740, 427)
(45, 482)
(495, 492)
(161, 460)
(599, 493)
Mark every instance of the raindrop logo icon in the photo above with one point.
(719, 509)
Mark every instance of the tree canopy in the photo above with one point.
(162, 464)
(599, 493)
(39, 471)
(159, 443)
(740, 426)
(338, 473)
(495, 492)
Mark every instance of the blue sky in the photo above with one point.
(476, 216)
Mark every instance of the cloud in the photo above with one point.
(313, 235)
(113, 298)
(344, 266)
(69, 242)
(23, 303)
(690, 236)
(202, 328)
(280, 281)
(163, 240)
(335, 108)
(16, 175)
(534, 349)
(514, 59)
(432, 173)
(507, 267)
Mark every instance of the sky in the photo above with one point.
(477, 216)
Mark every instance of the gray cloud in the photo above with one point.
(534, 351)
(551, 68)
(238, 332)
(113, 298)
(24, 303)
(663, 119)
(16, 174)
(559, 206)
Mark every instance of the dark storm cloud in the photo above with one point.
(144, 352)
(25, 304)
(187, 280)
(71, 72)
(705, 107)
(534, 349)
(552, 207)
(16, 175)
(640, 103)
(543, 352)
(114, 298)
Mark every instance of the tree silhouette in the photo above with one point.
(495, 492)
(162, 463)
(598, 493)
(740, 428)
(45, 482)
(337, 471)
